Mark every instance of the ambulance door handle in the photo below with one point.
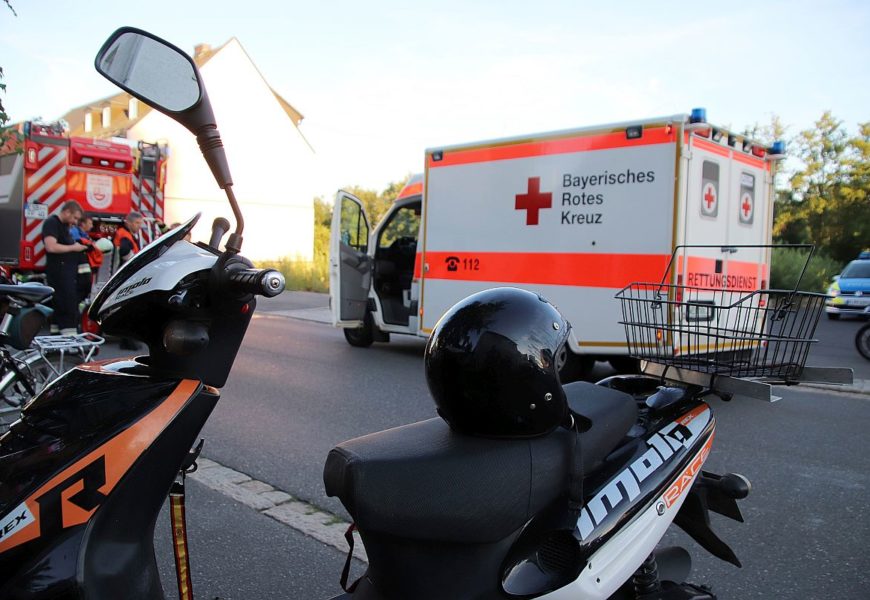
(426, 268)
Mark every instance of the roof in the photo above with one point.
(119, 104)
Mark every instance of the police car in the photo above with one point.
(850, 291)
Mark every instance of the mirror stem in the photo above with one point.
(212, 148)
(234, 242)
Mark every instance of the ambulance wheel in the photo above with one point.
(362, 336)
(573, 367)
(625, 364)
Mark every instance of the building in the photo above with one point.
(270, 160)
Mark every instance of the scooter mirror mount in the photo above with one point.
(166, 78)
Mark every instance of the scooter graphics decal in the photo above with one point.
(684, 481)
(72, 496)
(625, 487)
(19, 518)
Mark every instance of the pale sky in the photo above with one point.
(379, 82)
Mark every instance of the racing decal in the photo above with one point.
(19, 518)
(546, 268)
(710, 189)
(72, 496)
(684, 481)
(625, 487)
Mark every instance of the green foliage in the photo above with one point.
(314, 275)
(826, 202)
(311, 276)
(786, 265)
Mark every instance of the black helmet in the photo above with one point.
(491, 364)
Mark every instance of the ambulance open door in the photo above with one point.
(350, 266)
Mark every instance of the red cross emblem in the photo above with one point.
(746, 208)
(533, 200)
(709, 199)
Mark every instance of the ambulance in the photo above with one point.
(573, 215)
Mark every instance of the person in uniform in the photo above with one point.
(62, 257)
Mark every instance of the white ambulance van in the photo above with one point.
(573, 215)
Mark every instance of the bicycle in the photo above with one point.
(28, 363)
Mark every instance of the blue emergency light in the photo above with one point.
(778, 147)
(699, 115)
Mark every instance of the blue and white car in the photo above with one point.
(850, 291)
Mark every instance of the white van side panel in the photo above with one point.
(574, 217)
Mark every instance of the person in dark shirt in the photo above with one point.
(62, 257)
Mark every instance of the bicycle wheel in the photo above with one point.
(862, 341)
(33, 373)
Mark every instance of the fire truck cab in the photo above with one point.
(41, 167)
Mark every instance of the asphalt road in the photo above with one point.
(298, 388)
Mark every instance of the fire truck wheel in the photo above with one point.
(363, 336)
(573, 367)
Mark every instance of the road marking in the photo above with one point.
(318, 315)
(305, 518)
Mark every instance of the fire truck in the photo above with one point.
(41, 167)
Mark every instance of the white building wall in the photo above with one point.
(270, 162)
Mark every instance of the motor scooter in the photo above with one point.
(85, 471)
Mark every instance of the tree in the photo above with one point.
(4, 118)
(826, 203)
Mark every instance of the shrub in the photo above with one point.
(786, 265)
(301, 275)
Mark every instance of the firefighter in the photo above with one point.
(126, 239)
(126, 245)
(62, 258)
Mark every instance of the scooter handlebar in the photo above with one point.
(263, 282)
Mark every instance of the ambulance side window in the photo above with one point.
(354, 230)
(405, 223)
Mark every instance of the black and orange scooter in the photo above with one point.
(85, 471)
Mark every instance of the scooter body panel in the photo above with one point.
(632, 500)
(85, 472)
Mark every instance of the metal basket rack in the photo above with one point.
(82, 345)
(719, 331)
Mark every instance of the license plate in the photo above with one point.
(36, 211)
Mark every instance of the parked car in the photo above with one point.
(850, 291)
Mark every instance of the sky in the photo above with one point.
(379, 82)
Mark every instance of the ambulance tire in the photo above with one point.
(625, 364)
(573, 367)
(362, 336)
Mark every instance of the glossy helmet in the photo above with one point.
(491, 364)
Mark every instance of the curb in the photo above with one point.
(305, 518)
(860, 387)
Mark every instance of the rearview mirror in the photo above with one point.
(152, 70)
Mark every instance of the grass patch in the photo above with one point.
(301, 275)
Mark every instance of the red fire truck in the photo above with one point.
(41, 167)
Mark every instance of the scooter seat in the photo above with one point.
(425, 481)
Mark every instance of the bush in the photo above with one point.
(301, 275)
(786, 265)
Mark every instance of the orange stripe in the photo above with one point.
(413, 189)
(742, 275)
(120, 453)
(658, 135)
(711, 147)
(751, 161)
(589, 270)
